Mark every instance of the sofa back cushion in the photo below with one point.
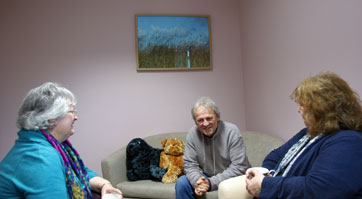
(258, 145)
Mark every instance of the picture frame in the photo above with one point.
(173, 42)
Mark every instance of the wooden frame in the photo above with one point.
(173, 42)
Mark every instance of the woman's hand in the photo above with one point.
(108, 188)
(103, 186)
(253, 181)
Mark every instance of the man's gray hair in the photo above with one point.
(43, 105)
(205, 102)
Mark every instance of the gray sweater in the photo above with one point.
(219, 157)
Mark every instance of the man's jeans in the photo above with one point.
(184, 190)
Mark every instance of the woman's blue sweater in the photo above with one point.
(330, 168)
(33, 169)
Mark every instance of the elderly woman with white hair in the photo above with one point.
(43, 163)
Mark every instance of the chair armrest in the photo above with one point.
(114, 167)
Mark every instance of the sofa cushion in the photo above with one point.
(152, 190)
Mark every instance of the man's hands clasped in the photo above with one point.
(202, 186)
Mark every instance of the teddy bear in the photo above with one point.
(143, 161)
(171, 159)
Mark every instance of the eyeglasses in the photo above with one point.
(74, 112)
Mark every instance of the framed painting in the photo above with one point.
(173, 42)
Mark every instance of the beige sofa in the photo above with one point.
(258, 145)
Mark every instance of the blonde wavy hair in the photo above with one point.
(329, 103)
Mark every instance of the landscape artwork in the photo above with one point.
(173, 42)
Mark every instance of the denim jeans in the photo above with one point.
(184, 190)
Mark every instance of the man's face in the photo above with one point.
(206, 120)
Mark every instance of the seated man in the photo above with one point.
(214, 152)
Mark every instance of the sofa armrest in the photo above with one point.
(114, 167)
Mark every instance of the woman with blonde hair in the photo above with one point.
(323, 160)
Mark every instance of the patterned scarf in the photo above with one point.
(293, 153)
(76, 177)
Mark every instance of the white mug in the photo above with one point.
(262, 170)
(111, 196)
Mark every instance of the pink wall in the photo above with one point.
(283, 42)
(89, 47)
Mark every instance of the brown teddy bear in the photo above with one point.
(171, 159)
